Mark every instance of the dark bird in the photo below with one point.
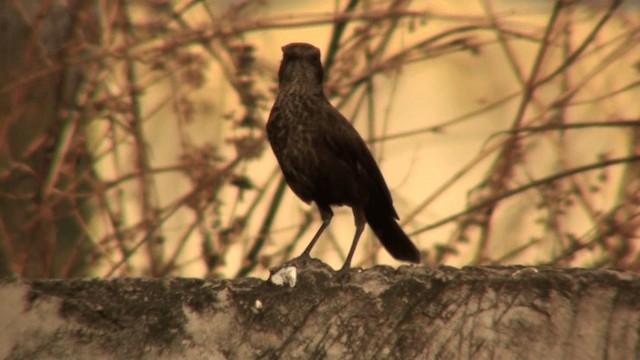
(324, 159)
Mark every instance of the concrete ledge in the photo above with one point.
(406, 313)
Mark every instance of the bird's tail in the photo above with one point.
(383, 223)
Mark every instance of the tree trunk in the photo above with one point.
(381, 313)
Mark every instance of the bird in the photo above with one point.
(323, 158)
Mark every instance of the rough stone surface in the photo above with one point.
(406, 313)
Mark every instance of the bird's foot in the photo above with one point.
(303, 260)
(342, 276)
(345, 274)
(300, 261)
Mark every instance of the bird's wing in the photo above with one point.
(344, 142)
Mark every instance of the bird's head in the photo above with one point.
(301, 67)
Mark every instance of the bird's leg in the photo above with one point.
(326, 214)
(360, 220)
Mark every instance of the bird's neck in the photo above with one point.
(300, 88)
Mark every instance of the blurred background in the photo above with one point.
(132, 135)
